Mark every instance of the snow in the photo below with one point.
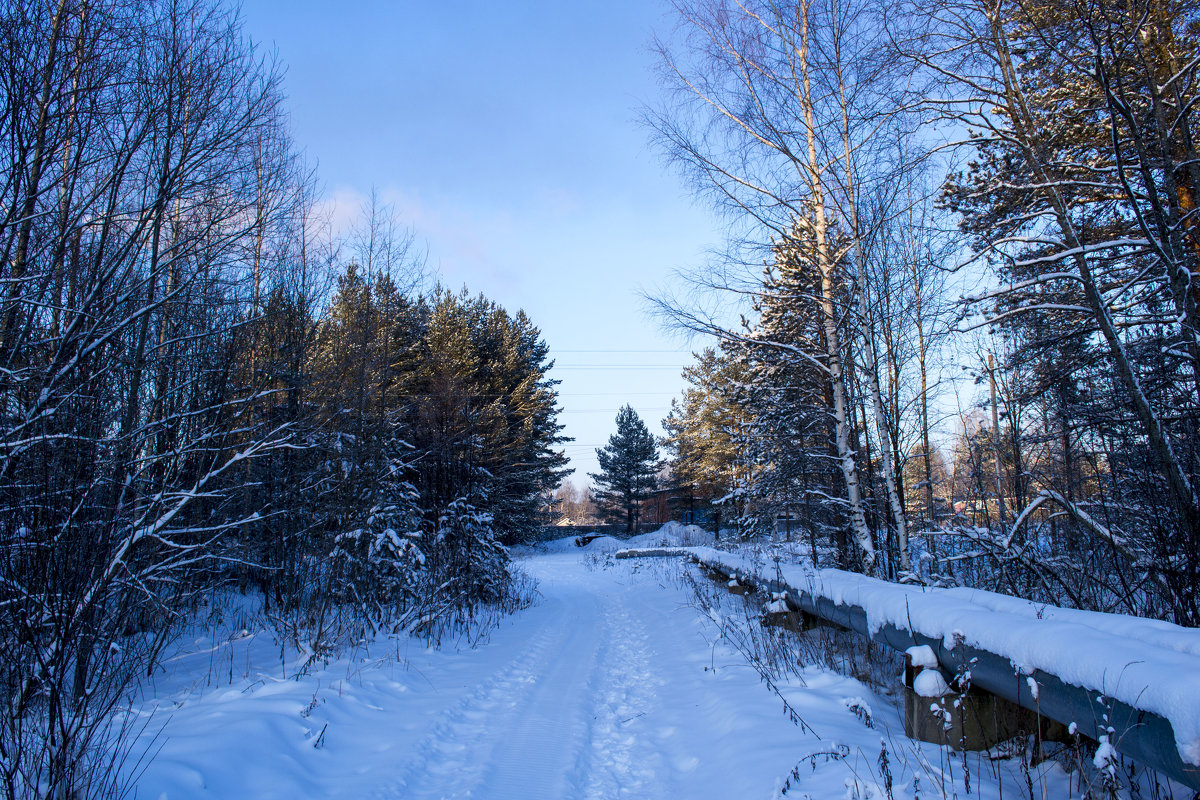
(861, 709)
(614, 685)
(1133, 629)
(673, 534)
(566, 544)
(604, 689)
(930, 683)
(1159, 673)
(1106, 758)
(603, 544)
(922, 655)
(777, 606)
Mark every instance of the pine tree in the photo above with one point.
(1081, 189)
(706, 434)
(805, 448)
(628, 470)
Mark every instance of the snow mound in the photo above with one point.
(604, 544)
(566, 544)
(922, 655)
(777, 607)
(930, 683)
(673, 534)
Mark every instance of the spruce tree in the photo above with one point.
(628, 470)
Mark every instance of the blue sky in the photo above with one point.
(504, 134)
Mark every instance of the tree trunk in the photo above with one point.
(828, 288)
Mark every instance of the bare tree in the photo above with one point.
(129, 180)
(783, 114)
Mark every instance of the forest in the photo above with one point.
(955, 341)
(931, 202)
(203, 385)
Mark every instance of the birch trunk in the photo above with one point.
(886, 443)
(826, 265)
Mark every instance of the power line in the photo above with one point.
(498, 395)
(675, 352)
(613, 394)
(618, 366)
(609, 410)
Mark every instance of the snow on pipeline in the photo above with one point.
(615, 684)
(1148, 664)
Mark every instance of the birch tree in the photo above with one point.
(780, 109)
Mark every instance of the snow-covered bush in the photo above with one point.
(380, 563)
(468, 563)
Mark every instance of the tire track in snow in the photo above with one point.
(612, 698)
(521, 732)
(543, 752)
(448, 760)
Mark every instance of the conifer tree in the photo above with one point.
(628, 470)
(706, 433)
(1081, 190)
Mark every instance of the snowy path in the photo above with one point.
(612, 686)
(596, 706)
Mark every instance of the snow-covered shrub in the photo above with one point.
(379, 563)
(474, 561)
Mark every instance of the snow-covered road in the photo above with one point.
(610, 693)
(613, 685)
(605, 688)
